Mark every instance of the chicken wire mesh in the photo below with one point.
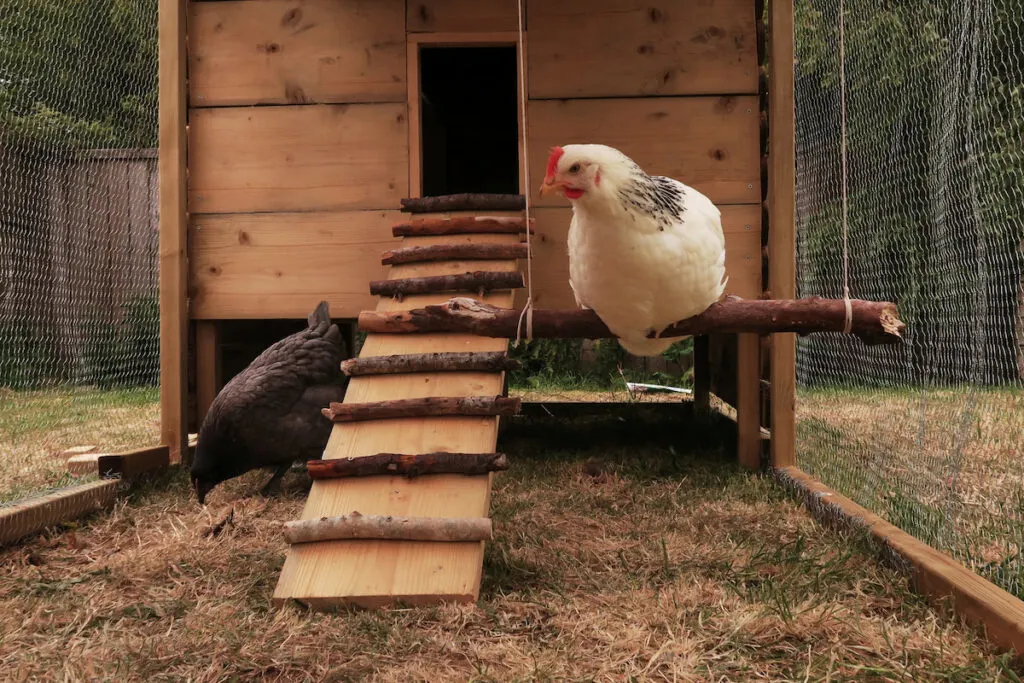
(79, 301)
(928, 434)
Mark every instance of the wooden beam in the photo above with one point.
(465, 202)
(173, 229)
(432, 406)
(935, 573)
(782, 224)
(37, 514)
(455, 252)
(702, 373)
(748, 408)
(873, 322)
(454, 361)
(480, 281)
(408, 465)
(132, 464)
(208, 375)
(462, 225)
(388, 527)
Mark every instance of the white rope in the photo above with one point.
(842, 104)
(527, 313)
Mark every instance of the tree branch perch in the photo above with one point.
(388, 527)
(447, 361)
(874, 322)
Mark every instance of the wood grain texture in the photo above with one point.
(37, 514)
(279, 265)
(173, 119)
(782, 227)
(610, 48)
(936, 574)
(461, 17)
(709, 143)
(208, 375)
(551, 258)
(298, 158)
(296, 52)
(373, 573)
(748, 407)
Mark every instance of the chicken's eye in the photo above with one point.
(575, 168)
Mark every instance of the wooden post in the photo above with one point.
(208, 375)
(748, 408)
(173, 117)
(702, 373)
(782, 225)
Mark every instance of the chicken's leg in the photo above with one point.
(274, 485)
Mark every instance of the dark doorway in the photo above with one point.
(469, 128)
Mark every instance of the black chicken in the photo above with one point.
(269, 414)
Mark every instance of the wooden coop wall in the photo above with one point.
(299, 132)
(300, 128)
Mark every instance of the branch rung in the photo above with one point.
(476, 281)
(435, 406)
(451, 361)
(455, 252)
(462, 225)
(468, 201)
(406, 465)
(388, 527)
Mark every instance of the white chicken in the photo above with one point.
(644, 251)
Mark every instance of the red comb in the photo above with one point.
(556, 154)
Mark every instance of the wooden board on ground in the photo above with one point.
(37, 514)
(709, 143)
(741, 224)
(296, 52)
(631, 48)
(373, 573)
(279, 265)
(297, 158)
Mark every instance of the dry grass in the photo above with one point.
(625, 549)
(37, 426)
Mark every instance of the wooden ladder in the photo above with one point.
(371, 573)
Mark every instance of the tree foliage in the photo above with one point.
(79, 73)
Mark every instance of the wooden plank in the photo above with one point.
(935, 573)
(461, 17)
(296, 52)
(131, 464)
(608, 48)
(551, 260)
(781, 227)
(279, 265)
(208, 374)
(748, 407)
(702, 373)
(298, 158)
(173, 231)
(373, 573)
(38, 514)
(709, 143)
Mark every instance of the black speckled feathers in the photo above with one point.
(658, 197)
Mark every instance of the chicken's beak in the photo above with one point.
(202, 488)
(550, 185)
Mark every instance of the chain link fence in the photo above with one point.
(79, 293)
(929, 434)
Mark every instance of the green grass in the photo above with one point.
(36, 426)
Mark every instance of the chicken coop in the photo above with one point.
(294, 134)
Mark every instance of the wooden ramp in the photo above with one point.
(371, 573)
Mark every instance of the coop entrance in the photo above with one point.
(469, 119)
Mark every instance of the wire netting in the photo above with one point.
(928, 434)
(79, 301)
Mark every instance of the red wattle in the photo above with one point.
(573, 193)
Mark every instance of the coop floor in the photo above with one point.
(626, 545)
